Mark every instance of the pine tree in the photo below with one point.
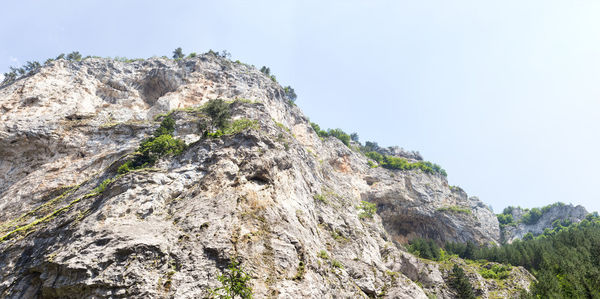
(178, 53)
(460, 282)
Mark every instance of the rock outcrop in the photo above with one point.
(548, 215)
(275, 196)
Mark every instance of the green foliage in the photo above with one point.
(337, 133)
(267, 71)
(337, 264)
(290, 94)
(167, 127)
(300, 272)
(219, 113)
(240, 125)
(460, 283)
(495, 271)
(318, 130)
(508, 210)
(125, 168)
(464, 250)
(532, 216)
(28, 69)
(424, 248)
(455, 209)
(152, 149)
(320, 197)
(31, 67)
(368, 209)
(505, 219)
(74, 56)
(392, 162)
(162, 145)
(192, 55)
(354, 137)
(323, 254)
(102, 186)
(548, 207)
(178, 53)
(565, 260)
(234, 283)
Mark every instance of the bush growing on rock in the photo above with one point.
(234, 283)
(290, 94)
(161, 144)
(532, 216)
(178, 53)
(368, 209)
(218, 111)
(392, 162)
(74, 56)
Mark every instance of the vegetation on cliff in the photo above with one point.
(565, 260)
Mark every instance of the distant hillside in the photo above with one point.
(519, 223)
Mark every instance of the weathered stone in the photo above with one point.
(274, 199)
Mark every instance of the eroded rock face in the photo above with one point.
(549, 215)
(277, 198)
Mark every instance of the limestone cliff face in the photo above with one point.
(276, 197)
(549, 215)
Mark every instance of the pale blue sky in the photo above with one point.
(505, 95)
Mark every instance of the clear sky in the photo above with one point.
(505, 95)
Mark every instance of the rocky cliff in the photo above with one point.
(272, 195)
(535, 221)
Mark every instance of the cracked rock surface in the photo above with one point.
(276, 197)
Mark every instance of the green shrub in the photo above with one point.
(323, 254)
(240, 125)
(74, 56)
(290, 94)
(508, 210)
(392, 162)
(102, 186)
(505, 219)
(371, 164)
(337, 264)
(320, 197)
(367, 209)
(234, 283)
(339, 134)
(161, 144)
(532, 216)
(495, 271)
(265, 70)
(318, 130)
(218, 111)
(125, 168)
(167, 127)
(178, 53)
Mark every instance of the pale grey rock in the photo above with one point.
(554, 212)
(169, 230)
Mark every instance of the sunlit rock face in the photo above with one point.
(549, 215)
(274, 196)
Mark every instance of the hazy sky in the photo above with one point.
(505, 95)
